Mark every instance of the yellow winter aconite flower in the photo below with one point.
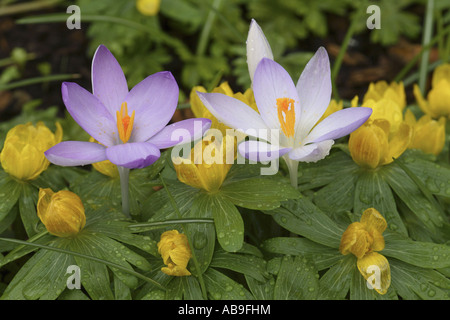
(105, 167)
(208, 165)
(175, 251)
(382, 90)
(148, 7)
(200, 111)
(373, 145)
(62, 212)
(23, 151)
(332, 108)
(429, 134)
(363, 239)
(437, 103)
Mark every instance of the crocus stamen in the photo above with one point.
(124, 123)
(286, 115)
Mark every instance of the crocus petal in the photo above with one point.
(234, 113)
(89, 113)
(261, 151)
(257, 47)
(76, 153)
(180, 132)
(339, 124)
(272, 82)
(312, 152)
(108, 81)
(133, 155)
(154, 100)
(314, 90)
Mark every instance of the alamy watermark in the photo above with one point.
(74, 20)
(374, 281)
(374, 21)
(74, 280)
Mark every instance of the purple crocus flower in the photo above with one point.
(130, 126)
(292, 110)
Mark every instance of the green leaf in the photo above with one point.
(296, 280)
(119, 230)
(27, 207)
(335, 283)
(94, 276)
(338, 195)
(321, 173)
(302, 217)
(322, 256)
(73, 295)
(10, 190)
(158, 206)
(203, 235)
(121, 290)
(411, 195)
(42, 277)
(261, 290)
(221, 287)
(21, 250)
(258, 193)
(191, 14)
(413, 283)
(186, 288)
(421, 254)
(242, 263)
(228, 223)
(372, 191)
(434, 176)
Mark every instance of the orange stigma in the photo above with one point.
(286, 115)
(124, 123)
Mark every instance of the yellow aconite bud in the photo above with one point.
(148, 7)
(23, 151)
(200, 111)
(362, 239)
(105, 167)
(382, 90)
(62, 213)
(438, 99)
(429, 134)
(372, 145)
(175, 251)
(208, 165)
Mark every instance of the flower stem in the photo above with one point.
(124, 174)
(293, 170)
(425, 40)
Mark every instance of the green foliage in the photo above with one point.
(257, 237)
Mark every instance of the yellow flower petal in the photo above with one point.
(148, 7)
(399, 142)
(367, 145)
(23, 150)
(423, 104)
(375, 268)
(439, 99)
(373, 220)
(175, 251)
(62, 213)
(355, 240)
